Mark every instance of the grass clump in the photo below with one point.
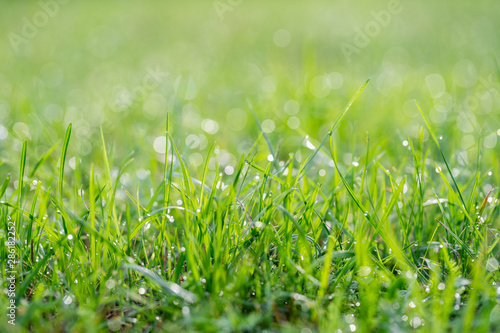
(270, 246)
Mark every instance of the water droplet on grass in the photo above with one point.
(415, 322)
(492, 265)
(67, 300)
(110, 284)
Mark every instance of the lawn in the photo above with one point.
(249, 166)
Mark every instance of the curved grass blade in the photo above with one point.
(26, 282)
(269, 145)
(62, 161)
(43, 159)
(168, 287)
(5, 185)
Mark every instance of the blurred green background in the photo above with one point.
(121, 65)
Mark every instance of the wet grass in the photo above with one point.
(256, 195)
(367, 247)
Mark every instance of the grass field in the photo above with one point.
(249, 166)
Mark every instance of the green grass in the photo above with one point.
(170, 211)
